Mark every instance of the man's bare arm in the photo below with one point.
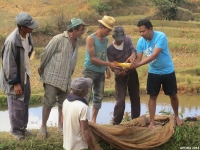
(91, 52)
(86, 134)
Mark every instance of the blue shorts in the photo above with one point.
(168, 82)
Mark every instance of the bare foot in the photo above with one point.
(151, 125)
(178, 121)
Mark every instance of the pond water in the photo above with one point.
(189, 105)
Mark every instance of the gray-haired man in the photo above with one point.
(15, 73)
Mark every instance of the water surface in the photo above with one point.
(189, 106)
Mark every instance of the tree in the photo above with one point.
(169, 8)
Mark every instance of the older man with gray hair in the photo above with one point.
(15, 73)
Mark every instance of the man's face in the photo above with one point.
(145, 33)
(26, 29)
(80, 31)
(119, 42)
(105, 31)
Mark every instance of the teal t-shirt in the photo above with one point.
(163, 63)
(100, 53)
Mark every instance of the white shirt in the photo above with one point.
(27, 49)
(118, 47)
(73, 113)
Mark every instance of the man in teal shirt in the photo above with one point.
(95, 61)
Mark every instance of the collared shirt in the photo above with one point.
(58, 62)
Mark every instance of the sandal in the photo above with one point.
(17, 136)
(42, 133)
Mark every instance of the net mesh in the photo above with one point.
(135, 134)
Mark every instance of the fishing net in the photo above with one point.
(135, 134)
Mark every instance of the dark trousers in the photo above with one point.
(131, 82)
(18, 110)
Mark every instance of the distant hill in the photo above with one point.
(54, 12)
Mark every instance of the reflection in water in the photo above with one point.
(189, 106)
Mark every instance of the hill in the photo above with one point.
(54, 12)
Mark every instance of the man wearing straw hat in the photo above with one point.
(95, 62)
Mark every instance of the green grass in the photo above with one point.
(185, 135)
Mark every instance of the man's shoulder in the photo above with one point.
(128, 37)
(159, 33)
(90, 38)
(110, 46)
(141, 40)
(74, 102)
(59, 35)
(12, 36)
(57, 38)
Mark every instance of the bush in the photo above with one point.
(169, 8)
(63, 15)
(100, 6)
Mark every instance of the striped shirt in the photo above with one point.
(58, 62)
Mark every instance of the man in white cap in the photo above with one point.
(76, 113)
(57, 65)
(95, 62)
(15, 73)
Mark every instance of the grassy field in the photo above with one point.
(184, 47)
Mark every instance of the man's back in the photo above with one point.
(73, 113)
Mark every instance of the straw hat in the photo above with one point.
(108, 21)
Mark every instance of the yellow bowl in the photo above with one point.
(125, 65)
